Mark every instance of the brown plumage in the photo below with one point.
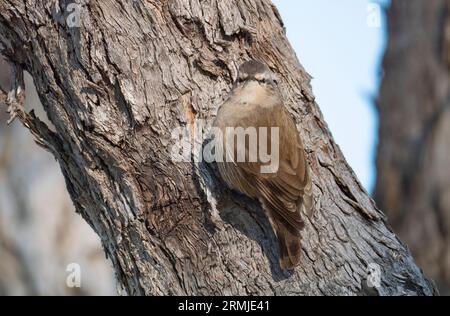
(256, 102)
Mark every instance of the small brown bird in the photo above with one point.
(255, 102)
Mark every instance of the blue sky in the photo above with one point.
(337, 44)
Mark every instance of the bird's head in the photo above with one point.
(255, 71)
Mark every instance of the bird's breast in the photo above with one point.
(254, 94)
(246, 105)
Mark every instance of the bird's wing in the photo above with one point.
(289, 188)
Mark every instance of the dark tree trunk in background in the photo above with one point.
(413, 185)
(117, 86)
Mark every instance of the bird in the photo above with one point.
(254, 102)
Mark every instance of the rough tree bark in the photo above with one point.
(38, 239)
(413, 184)
(117, 86)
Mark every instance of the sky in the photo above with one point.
(341, 44)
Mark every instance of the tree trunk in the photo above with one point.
(38, 239)
(413, 184)
(116, 87)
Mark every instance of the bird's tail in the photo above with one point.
(289, 244)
